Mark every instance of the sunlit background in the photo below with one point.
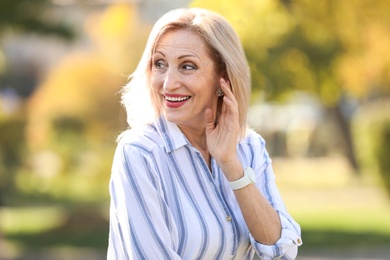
(321, 84)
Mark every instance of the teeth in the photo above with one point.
(176, 99)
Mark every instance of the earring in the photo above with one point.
(220, 93)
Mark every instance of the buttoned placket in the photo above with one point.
(213, 180)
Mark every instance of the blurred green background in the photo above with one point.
(321, 85)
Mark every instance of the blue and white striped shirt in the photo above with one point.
(167, 204)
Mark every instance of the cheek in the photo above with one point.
(215, 85)
(155, 85)
(155, 82)
(207, 82)
(155, 94)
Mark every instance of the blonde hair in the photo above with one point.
(224, 46)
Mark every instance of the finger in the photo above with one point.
(230, 106)
(225, 85)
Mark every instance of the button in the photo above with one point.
(228, 218)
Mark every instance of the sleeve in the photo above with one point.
(141, 226)
(287, 246)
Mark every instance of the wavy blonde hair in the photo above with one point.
(225, 49)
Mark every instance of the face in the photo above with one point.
(184, 79)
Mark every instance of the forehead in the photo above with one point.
(183, 40)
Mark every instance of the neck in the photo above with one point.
(197, 138)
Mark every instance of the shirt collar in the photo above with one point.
(171, 135)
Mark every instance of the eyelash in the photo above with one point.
(189, 67)
(159, 64)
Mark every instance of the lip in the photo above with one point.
(175, 104)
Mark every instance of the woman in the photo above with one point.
(191, 181)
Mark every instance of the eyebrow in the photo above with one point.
(181, 56)
(188, 56)
(159, 52)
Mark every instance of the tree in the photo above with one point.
(17, 18)
(31, 16)
(75, 113)
(330, 48)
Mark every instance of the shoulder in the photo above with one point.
(252, 148)
(253, 138)
(137, 151)
(145, 139)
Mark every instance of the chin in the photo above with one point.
(173, 118)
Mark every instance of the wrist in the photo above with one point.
(233, 170)
(248, 178)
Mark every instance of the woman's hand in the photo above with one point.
(261, 218)
(222, 136)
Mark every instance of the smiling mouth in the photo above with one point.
(176, 99)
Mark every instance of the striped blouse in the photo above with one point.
(167, 204)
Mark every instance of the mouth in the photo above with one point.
(176, 99)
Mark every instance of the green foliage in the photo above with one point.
(383, 153)
(328, 48)
(12, 149)
(11, 141)
(372, 137)
(76, 227)
(31, 16)
(323, 47)
(74, 116)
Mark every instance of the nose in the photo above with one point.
(171, 80)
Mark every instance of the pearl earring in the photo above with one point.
(220, 93)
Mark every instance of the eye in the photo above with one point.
(159, 64)
(188, 66)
